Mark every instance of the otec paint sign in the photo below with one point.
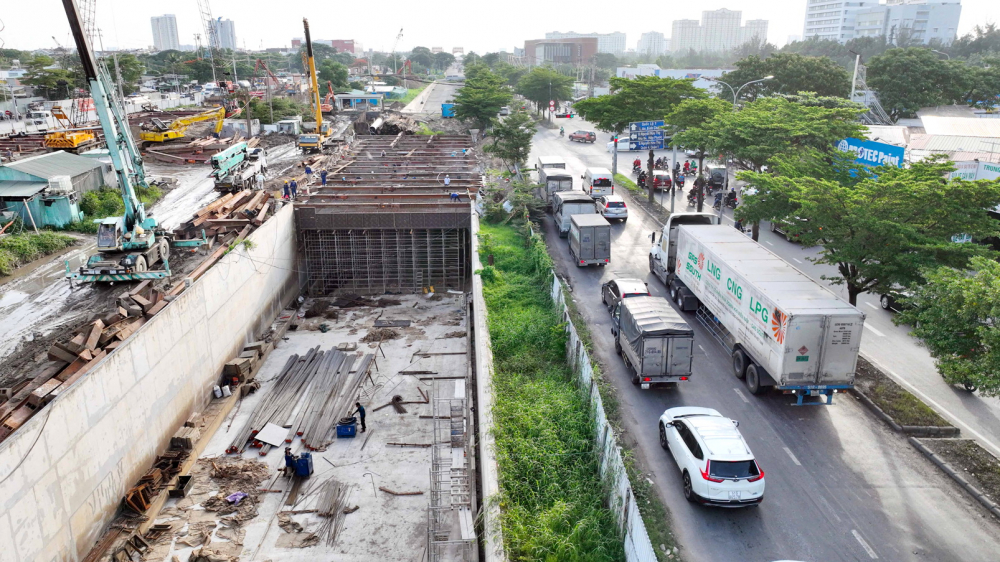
(871, 153)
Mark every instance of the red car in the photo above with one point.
(583, 136)
(661, 179)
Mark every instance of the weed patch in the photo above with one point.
(903, 407)
(551, 495)
(107, 202)
(19, 249)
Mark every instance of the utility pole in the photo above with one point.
(675, 174)
(649, 177)
(614, 159)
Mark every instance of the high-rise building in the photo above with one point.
(226, 31)
(652, 43)
(920, 20)
(719, 30)
(165, 32)
(571, 50)
(613, 43)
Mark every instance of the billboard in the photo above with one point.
(871, 153)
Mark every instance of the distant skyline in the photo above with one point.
(126, 25)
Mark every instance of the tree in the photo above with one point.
(333, 71)
(982, 39)
(793, 73)
(909, 79)
(491, 59)
(131, 69)
(645, 98)
(471, 58)
(882, 228)
(512, 139)
(955, 314)
(53, 83)
(443, 60)
(542, 84)
(605, 60)
(480, 99)
(985, 83)
(693, 114)
(422, 55)
(279, 108)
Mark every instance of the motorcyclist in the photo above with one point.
(636, 164)
(687, 166)
(562, 131)
(731, 198)
(642, 178)
(718, 200)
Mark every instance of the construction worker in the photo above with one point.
(309, 171)
(361, 415)
(294, 185)
(285, 191)
(447, 180)
(383, 154)
(322, 177)
(289, 462)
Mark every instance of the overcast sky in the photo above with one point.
(476, 26)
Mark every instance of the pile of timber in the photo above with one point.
(197, 151)
(70, 360)
(229, 213)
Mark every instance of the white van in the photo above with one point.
(598, 182)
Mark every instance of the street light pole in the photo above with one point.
(941, 53)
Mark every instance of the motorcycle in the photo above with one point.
(692, 197)
(636, 169)
(562, 133)
(680, 182)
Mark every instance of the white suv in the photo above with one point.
(612, 207)
(716, 464)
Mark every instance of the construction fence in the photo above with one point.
(638, 547)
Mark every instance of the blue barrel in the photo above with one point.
(304, 465)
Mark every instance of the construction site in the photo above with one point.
(249, 374)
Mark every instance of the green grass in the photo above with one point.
(19, 249)
(107, 202)
(411, 94)
(897, 402)
(551, 495)
(425, 130)
(624, 181)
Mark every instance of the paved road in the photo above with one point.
(840, 486)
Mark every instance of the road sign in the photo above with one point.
(552, 103)
(644, 125)
(645, 145)
(646, 136)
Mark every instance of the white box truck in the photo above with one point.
(553, 177)
(598, 182)
(656, 344)
(783, 329)
(565, 204)
(590, 240)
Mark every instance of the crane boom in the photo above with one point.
(308, 141)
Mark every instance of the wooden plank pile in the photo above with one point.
(197, 151)
(226, 215)
(70, 360)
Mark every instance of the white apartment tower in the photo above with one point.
(719, 30)
(653, 43)
(922, 20)
(165, 33)
(685, 36)
(226, 31)
(613, 43)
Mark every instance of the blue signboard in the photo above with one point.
(644, 125)
(871, 153)
(645, 145)
(646, 136)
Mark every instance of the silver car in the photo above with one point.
(612, 207)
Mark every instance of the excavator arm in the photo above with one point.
(175, 130)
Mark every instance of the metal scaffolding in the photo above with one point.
(451, 533)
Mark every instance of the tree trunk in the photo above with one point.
(649, 178)
(852, 294)
(755, 231)
(701, 176)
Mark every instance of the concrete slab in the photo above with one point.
(384, 526)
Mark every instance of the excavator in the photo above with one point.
(327, 105)
(313, 142)
(163, 132)
(129, 245)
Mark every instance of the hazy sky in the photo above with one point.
(477, 26)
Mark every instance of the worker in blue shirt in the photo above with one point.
(294, 187)
(322, 177)
(361, 415)
(309, 171)
(285, 191)
(289, 462)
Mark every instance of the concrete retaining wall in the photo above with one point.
(63, 474)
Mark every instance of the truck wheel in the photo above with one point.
(739, 364)
(618, 347)
(679, 299)
(140, 264)
(651, 270)
(753, 379)
(673, 292)
(663, 438)
(164, 249)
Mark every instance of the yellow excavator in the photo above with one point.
(163, 132)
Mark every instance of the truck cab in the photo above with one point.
(663, 253)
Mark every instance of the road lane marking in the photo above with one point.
(702, 349)
(864, 545)
(874, 331)
(871, 305)
(797, 260)
(740, 392)
(769, 243)
(790, 454)
(829, 508)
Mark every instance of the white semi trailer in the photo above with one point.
(782, 329)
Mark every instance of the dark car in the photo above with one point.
(716, 178)
(583, 136)
(612, 292)
(895, 300)
(782, 226)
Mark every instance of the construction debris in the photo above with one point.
(376, 335)
(226, 216)
(197, 151)
(388, 491)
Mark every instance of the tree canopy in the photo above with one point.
(644, 98)
(542, 84)
(908, 79)
(882, 226)
(512, 139)
(334, 72)
(480, 99)
(792, 73)
(955, 315)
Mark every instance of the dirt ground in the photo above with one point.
(894, 400)
(974, 463)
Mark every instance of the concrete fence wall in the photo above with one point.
(64, 473)
(638, 547)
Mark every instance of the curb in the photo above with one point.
(911, 430)
(947, 469)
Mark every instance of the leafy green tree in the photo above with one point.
(344, 58)
(422, 56)
(606, 60)
(792, 73)
(693, 115)
(491, 59)
(909, 79)
(279, 108)
(645, 98)
(985, 83)
(471, 58)
(480, 99)
(443, 60)
(542, 84)
(882, 229)
(53, 83)
(512, 139)
(131, 69)
(334, 72)
(955, 314)
(982, 39)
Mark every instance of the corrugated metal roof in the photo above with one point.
(956, 156)
(21, 188)
(890, 134)
(54, 164)
(961, 126)
(954, 143)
